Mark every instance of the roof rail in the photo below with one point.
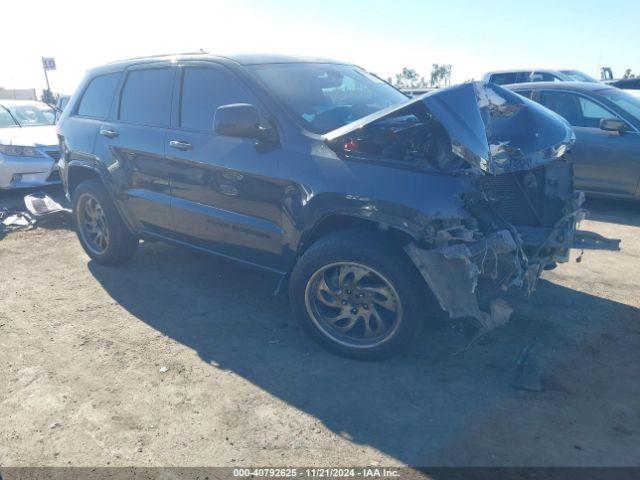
(161, 55)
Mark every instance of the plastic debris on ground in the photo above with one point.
(11, 220)
(40, 208)
(40, 204)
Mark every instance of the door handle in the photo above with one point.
(180, 145)
(109, 133)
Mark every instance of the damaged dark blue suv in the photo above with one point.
(365, 203)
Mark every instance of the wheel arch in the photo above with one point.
(339, 221)
(79, 172)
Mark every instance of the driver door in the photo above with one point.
(604, 162)
(226, 197)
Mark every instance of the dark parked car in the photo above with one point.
(505, 77)
(606, 122)
(365, 203)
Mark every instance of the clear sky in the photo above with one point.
(381, 36)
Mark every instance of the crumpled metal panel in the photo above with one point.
(491, 128)
(497, 130)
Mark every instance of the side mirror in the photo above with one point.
(613, 125)
(238, 120)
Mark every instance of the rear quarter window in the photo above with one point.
(97, 97)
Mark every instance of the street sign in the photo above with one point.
(48, 63)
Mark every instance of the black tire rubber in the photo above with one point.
(373, 250)
(123, 244)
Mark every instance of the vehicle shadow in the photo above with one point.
(408, 407)
(623, 212)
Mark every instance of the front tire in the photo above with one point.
(101, 231)
(357, 295)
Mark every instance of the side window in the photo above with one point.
(504, 78)
(146, 97)
(592, 113)
(524, 93)
(578, 110)
(563, 103)
(97, 97)
(524, 77)
(544, 77)
(203, 91)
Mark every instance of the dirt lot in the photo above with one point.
(83, 347)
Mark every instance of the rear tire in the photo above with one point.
(99, 227)
(358, 295)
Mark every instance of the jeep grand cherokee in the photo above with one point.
(365, 203)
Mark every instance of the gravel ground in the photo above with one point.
(180, 359)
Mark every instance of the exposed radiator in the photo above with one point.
(517, 197)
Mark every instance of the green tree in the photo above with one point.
(408, 78)
(440, 75)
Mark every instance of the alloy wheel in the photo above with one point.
(93, 224)
(353, 304)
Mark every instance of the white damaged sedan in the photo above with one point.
(29, 148)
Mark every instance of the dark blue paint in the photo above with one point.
(255, 201)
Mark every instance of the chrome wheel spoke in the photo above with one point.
(350, 275)
(105, 235)
(382, 296)
(373, 323)
(327, 295)
(351, 321)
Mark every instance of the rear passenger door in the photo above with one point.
(132, 143)
(227, 197)
(78, 131)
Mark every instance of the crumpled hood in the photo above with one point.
(491, 128)
(41, 136)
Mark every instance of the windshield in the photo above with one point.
(6, 120)
(27, 115)
(578, 76)
(324, 96)
(623, 100)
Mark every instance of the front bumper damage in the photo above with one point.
(523, 201)
(453, 271)
(513, 240)
(516, 212)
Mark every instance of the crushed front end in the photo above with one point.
(520, 208)
(524, 223)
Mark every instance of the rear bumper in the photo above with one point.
(28, 172)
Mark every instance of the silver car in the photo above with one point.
(28, 145)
